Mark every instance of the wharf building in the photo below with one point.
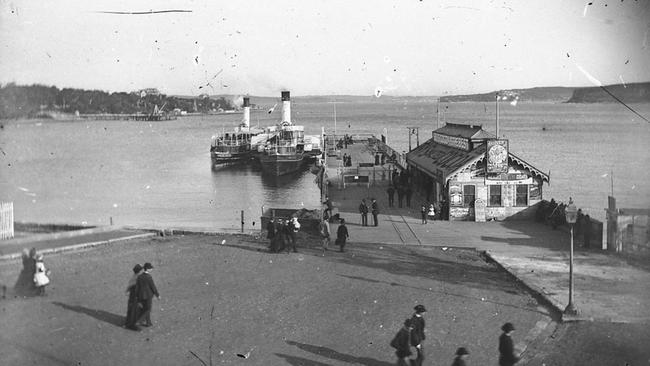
(471, 175)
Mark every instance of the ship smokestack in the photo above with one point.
(247, 112)
(286, 107)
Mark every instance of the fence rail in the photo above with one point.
(6, 220)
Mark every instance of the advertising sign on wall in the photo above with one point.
(497, 156)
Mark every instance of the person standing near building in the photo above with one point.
(461, 355)
(145, 289)
(587, 231)
(423, 213)
(402, 344)
(270, 232)
(408, 192)
(432, 212)
(41, 274)
(328, 207)
(363, 210)
(418, 333)
(342, 235)
(294, 227)
(391, 195)
(324, 230)
(507, 355)
(132, 304)
(375, 212)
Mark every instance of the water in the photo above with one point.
(157, 174)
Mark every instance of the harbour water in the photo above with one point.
(158, 174)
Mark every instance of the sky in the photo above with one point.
(349, 47)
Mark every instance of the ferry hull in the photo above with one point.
(282, 165)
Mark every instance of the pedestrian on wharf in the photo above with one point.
(324, 230)
(391, 195)
(432, 212)
(132, 304)
(25, 283)
(363, 210)
(328, 207)
(280, 241)
(400, 195)
(587, 231)
(294, 227)
(402, 344)
(408, 192)
(461, 355)
(394, 176)
(417, 320)
(270, 232)
(286, 235)
(423, 213)
(41, 275)
(145, 290)
(507, 355)
(375, 212)
(342, 235)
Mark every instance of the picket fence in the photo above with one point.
(6, 220)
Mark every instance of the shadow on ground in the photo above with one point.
(338, 356)
(102, 315)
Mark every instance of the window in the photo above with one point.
(469, 195)
(522, 195)
(495, 195)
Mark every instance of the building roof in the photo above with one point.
(445, 162)
(466, 131)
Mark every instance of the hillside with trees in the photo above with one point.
(36, 101)
(629, 93)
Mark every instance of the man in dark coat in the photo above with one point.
(391, 195)
(507, 355)
(402, 344)
(375, 212)
(145, 289)
(270, 233)
(342, 235)
(586, 230)
(363, 210)
(408, 192)
(417, 320)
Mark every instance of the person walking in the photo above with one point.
(270, 233)
(375, 212)
(423, 213)
(324, 230)
(400, 196)
(461, 355)
(41, 274)
(391, 195)
(587, 231)
(432, 212)
(342, 235)
(132, 304)
(145, 290)
(363, 210)
(408, 192)
(294, 227)
(417, 320)
(402, 344)
(328, 207)
(507, 355)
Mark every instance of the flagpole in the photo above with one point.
(497, 103)
(438, 114)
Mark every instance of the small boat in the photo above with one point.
(236, 146)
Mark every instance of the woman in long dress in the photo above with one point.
(41, 278)
(132, 305)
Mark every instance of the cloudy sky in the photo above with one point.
(405, 47)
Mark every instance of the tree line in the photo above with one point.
(32, 101)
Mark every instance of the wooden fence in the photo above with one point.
(6, 220)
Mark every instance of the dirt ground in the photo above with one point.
(226, 295)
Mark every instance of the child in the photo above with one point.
(40, 275)
(432, 212)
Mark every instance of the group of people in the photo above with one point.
(410, 351)
(282, 234)
(364, 209)
(141, 289)
(342, 234)
(347, 160)
(428, 213)
(34, 277)
(403, 191)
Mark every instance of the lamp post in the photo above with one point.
(571, 214)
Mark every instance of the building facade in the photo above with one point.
(472, 175)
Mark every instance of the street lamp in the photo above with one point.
(571, 214)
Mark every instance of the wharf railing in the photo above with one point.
(6, 220)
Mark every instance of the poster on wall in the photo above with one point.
(455, 195)
(535, 192)
(497, 156)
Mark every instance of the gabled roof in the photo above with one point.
(465, 131)
(438, 159)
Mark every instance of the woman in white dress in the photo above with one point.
(41, 278)
(432, 212)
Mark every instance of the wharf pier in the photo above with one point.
(532, 252)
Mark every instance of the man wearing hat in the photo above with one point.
(507, 355)
(418, 333)
(461, 354)
(402, 345)
(145, 289)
